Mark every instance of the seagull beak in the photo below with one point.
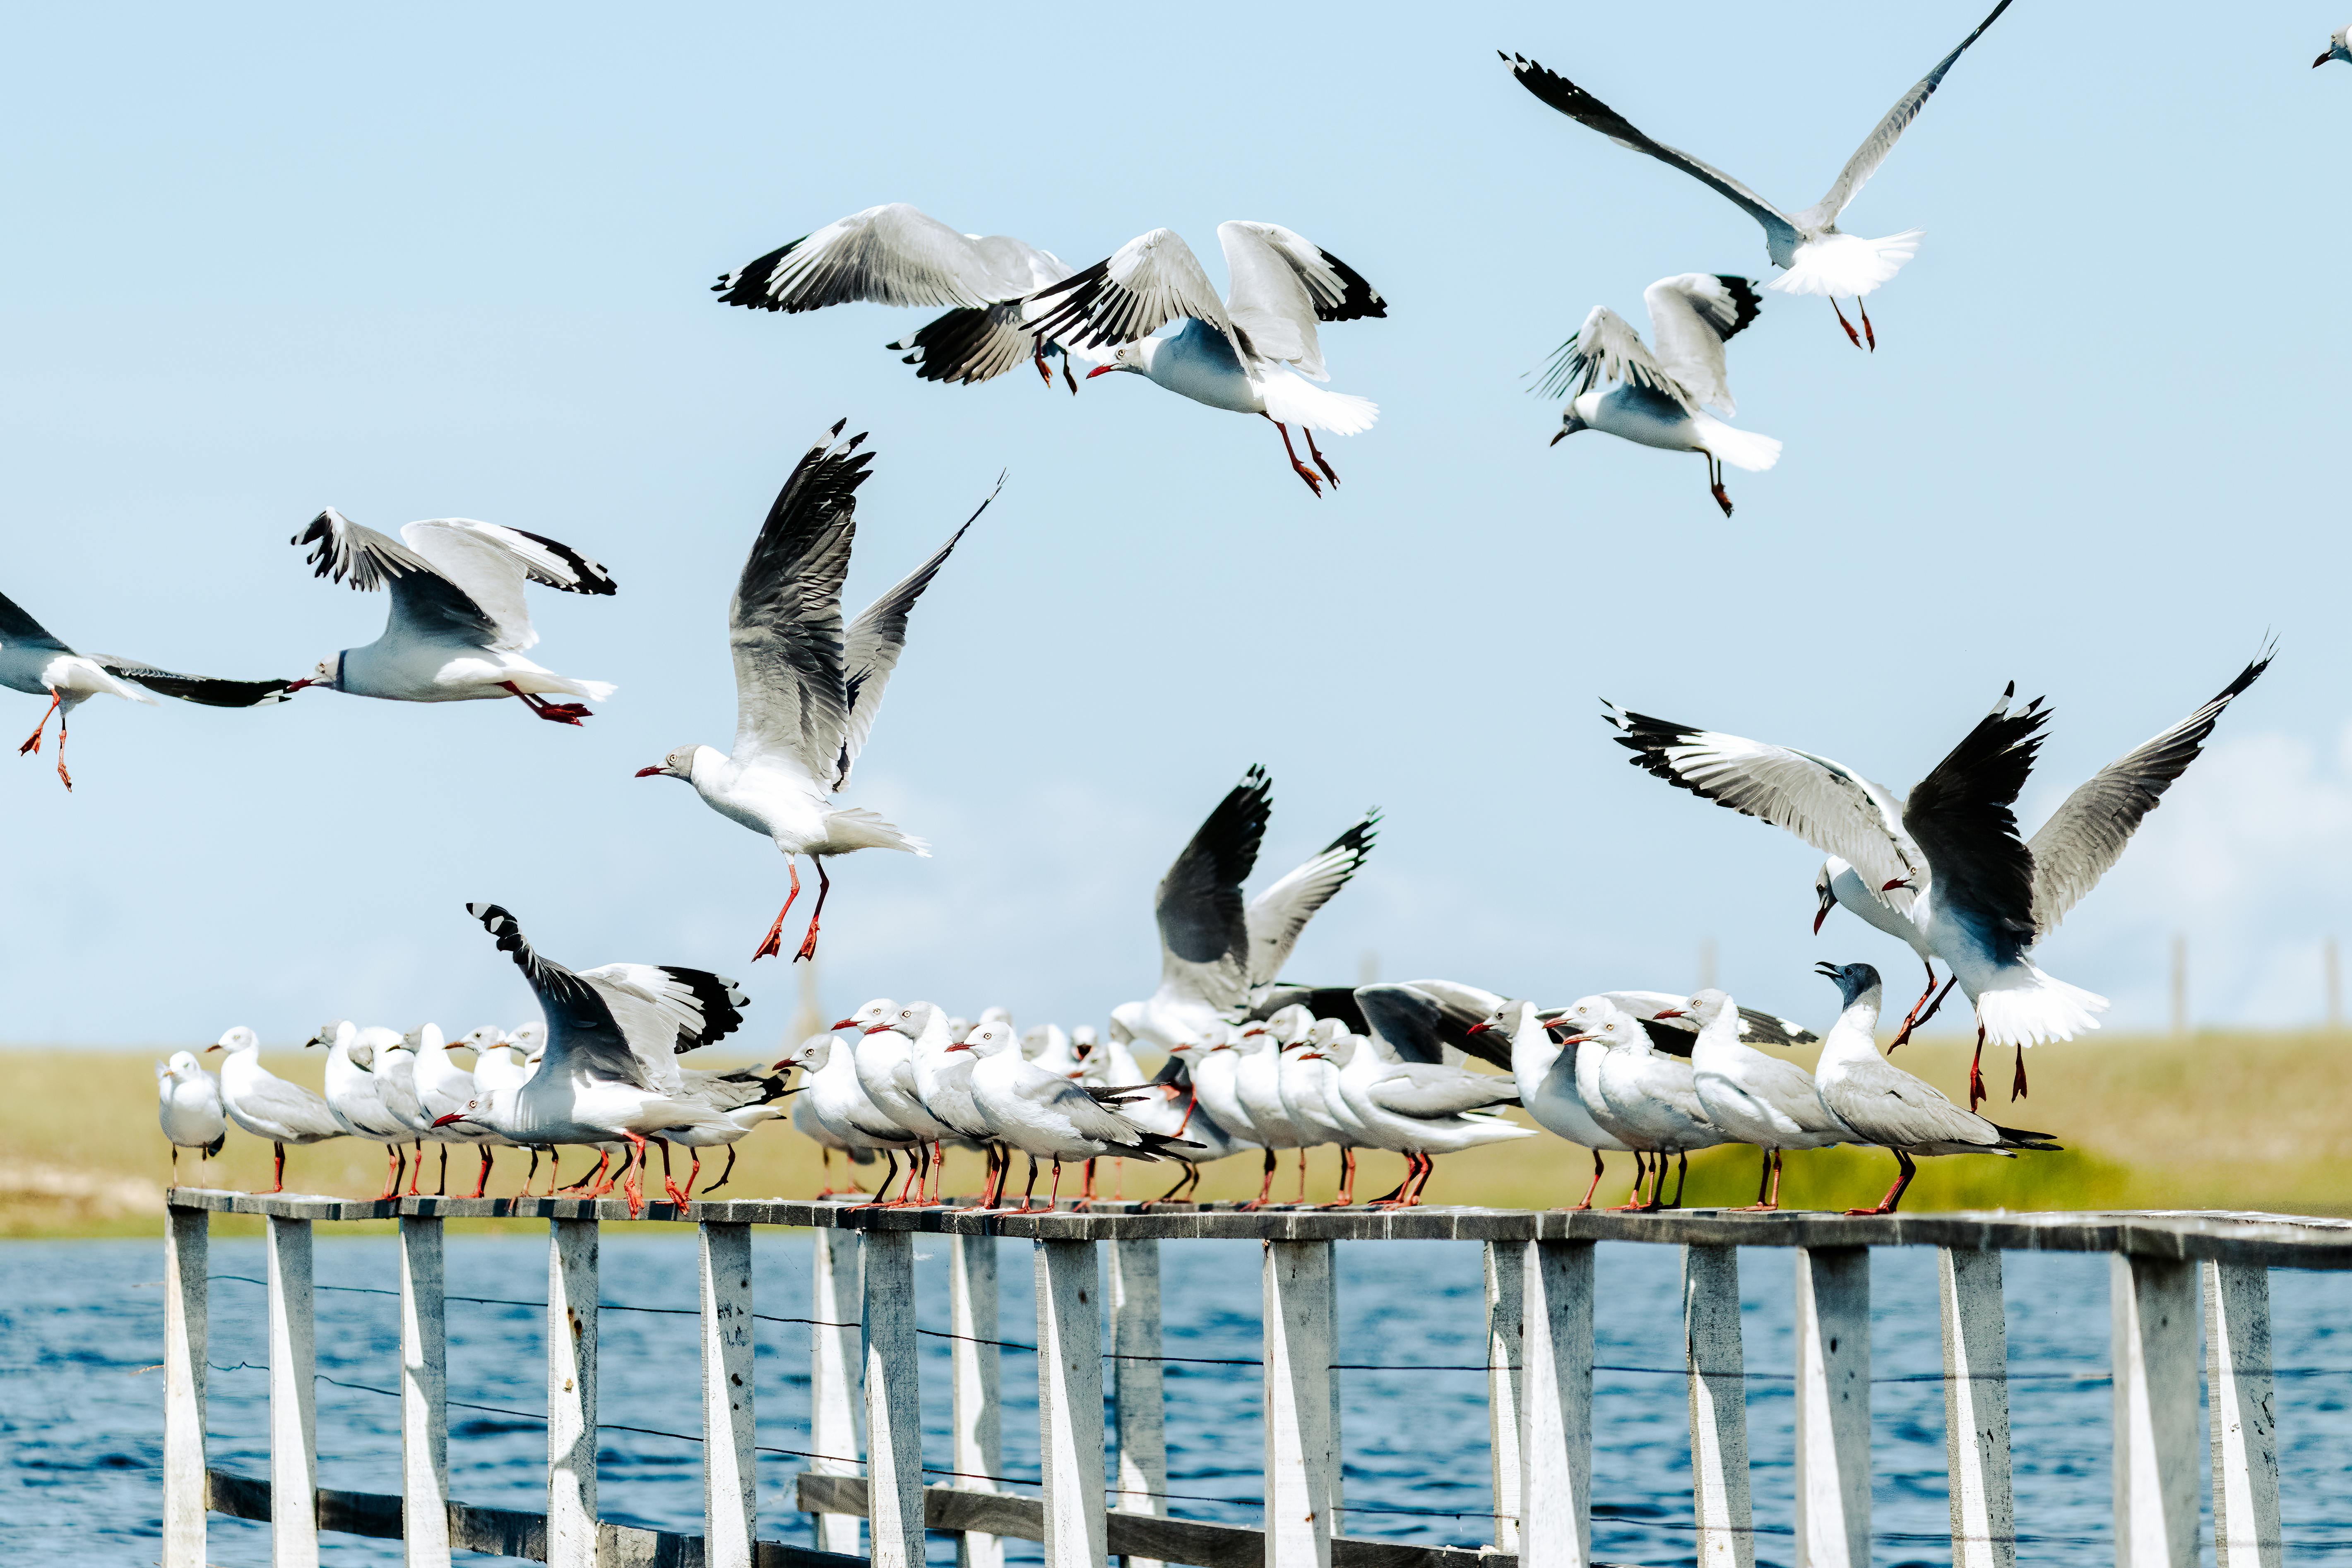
(877, 1029)
(1829, 902)
(1896, 882)
(446, 1121)
(844, 1024)
(1669, 1013)
(211, 1048)
(650, 773)
(294, 685)
(1107, 369)
(1576, 1039)
(2320, 61)
(960, 1046)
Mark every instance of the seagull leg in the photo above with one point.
(774, 945)
(441, 1187)
(1596, 1182)
(277, 1167)
(1641, 1170)
(823, 885)
(1714, 482)
(64, 777)
(1087, 1184)
(560, 712)
(1071, 380)
(1682, 1175)
(416, 1171)
(1302, 1180)
(33, 743)
(1053, 1197)
(671, 1186)
(693, 1173)
(2017, 1079)
(531, 1176)
(1321, 461)
(482, 1183)
(1852, 336)
(1905, 1170)
(728, 1171)
(633, 1183)
(1030, 1190)
(1763, 1179)
(1867, 330)
(1976, 1074)
(1045, 371)
(1301, 469)
(1925, 1009)
(1346, 1197)
(1191, 1174)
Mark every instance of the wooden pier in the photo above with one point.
(2165, 1268)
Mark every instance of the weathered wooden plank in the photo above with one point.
(424, 1395)
(893, 1406)
(1069, 1404)
(1138, 1394)
(1302, 1449)
(730, 1495)
(1556, 1404)
(1976, 1408)
(977, 1366)
(187, 1240)
(293, 1397)
(1718, 1408)
(2153, 1306)
(834, 1363)
(2244, 1433)
(1833, 1407)
(1506, 1286)
(572, 1285)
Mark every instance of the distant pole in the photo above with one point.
(2335, 987)
(810, 1017)
(1707, 963)
(1368, 968)
(2179, 984)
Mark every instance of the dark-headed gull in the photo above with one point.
(1750, 1097)
(2340, 47)
(610, 1069)
(1882, 1104)
(268, 1106)
(33, 660)
(897, 254)
(1661, 396)
(1235, 354)
(806, 695)
(188, 1106)
(1047, 1116)
(458, 626)
(1818, 256)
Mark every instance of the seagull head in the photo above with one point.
(809, 1055)
(327, 672)
(457, 1116)
(1705, 1007)
(1825, 892)
(1504, 1020)
(1135, 356)
(679, 764)
(989, 1039)
(238, 1039)
(875, 1013)
(1571, 422)
(1854, 980)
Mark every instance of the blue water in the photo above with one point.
(80, 1322)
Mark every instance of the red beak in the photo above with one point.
(1100, 370)
(1480, 1028)
(845, 1024)
(648, 773)
(295, 685)
(960, 1046)
(875, 1029)
(445, 1121)
(1576, 1039)
(211, 1048)
(1819, 916)
(1897, 882)
(1669, 1013)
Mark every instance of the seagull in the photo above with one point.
(1237, 354)
(188, 1106)
(1177, 1112)
(268, 1106)
(365, 1103)
(459, 626)
(897, 254)
(1883, 1104)
(806, 695)
(1044, 1114)
(1309, 1087)
(609, 1069)
(1663, 395)
(1766, 1102)
(813, 1054)
(735, 1124)
(943, 1082)
(2340, 47)
(1545, 1072)
(1257, 1085)
(1649, 1097)
(884, 1061)
(1418, 1110)
(33, 660)
(1818, 256)
(442, 1087)
(839, 1102)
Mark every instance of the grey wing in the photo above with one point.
(2087, 833)
(1204, 943)
(1885, 134)
(1888, 1105)
(1692, 315)
(1277, 915)
(210, 690)
(18, 629)
(1416, 1088)
(725, 1091)
(1607, 348)
(1281, 284)
(1419, 1018)
(582, 1033)
(1088, 1117)
(424, 604)
(977, 343)
(490, 564)
(785, 619)
(888, 254)
(875, 640)
(1781, 230)
(1793, 1091)
(700, 1008)
(292, 1107)
(1149, 281)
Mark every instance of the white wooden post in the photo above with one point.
(730, 1493)
(833, 1395)
(894, 1405)
(187, 1241)
(1718, 1408)
(979, 1407)
(2244, 1427)
(424, 1396)
(293, 1399)
(1976, 1408)
(572, 1286)
(2153, 1306)
(1137, 1394)
(1302, 1450)
(1556, 1405)
(1833, 1407)
(1070, 1403)
(1505, 1283)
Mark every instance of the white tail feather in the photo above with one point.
(2029, 1007)
(1293, 401)
(855, 828)
(1847, 265)
(1740, 449)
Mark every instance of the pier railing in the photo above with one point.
(1539, 1284)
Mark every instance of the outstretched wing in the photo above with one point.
(889, 255)
(1281, 284)
(698, 1007)
(2087, 833)
(1204, 943)
(1607, 348)
(1419, 1018)
(18, 629)
(582, 1034)
(1277, 915)
(211, 690)
(425, 605)
(1824, 803)
(1885, 134)
(1963, 816)
(1149, 281)
(791, 695)
(1780, 228)
(876, 639)
(490, 564)
(1693, 315)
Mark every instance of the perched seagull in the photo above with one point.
(268, 1106)
(1044, 1114)
(1661, 403)
(806, 695)
(738, 1122)
(884, 1061)
(895, 255)
(812, 1055)
(1649, 1097)
(2340, 47)
(1235, 354)
(365, 1103)
(442, 1087)
(1418, 1110)
(609, 1069)
(188, 1106)
(1257, 1085)
(1818, 256)
(1545, 1072)
(459, 626)
(33, 660)
(839, 1104)
(1751, 1097)
(1882, 1104)
(1177, 1112)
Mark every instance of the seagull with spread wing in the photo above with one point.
(898, 255)
(1237, 354)
(458, 627)
(1818, 257)
(32, 660)
(805, 693)
(1660, 399)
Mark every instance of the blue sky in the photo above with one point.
(455, 262)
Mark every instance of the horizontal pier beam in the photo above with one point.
(501, 1532)
(2254, 1240)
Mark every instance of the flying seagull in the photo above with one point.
(458, 626)
(805, 694)
(1237, 354)
(1818, 257)
(897, 254)
(1661, 401)
(32, 660)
